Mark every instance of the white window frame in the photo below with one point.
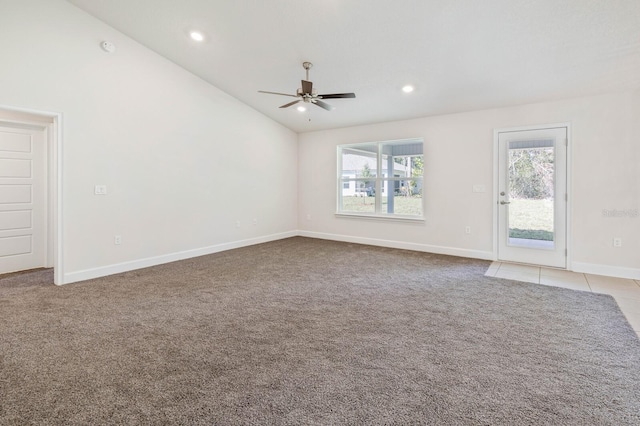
(379, 182)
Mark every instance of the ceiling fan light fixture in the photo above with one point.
(196, 35)
(309, 95)
(408, 88)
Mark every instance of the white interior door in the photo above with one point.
(22, 199)
(532, 197)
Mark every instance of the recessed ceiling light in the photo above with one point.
(407, 89)
(197, 35)
(301, 109)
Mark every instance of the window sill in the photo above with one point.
(384, 218)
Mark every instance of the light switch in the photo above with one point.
(479, 188)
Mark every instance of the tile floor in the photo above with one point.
(626, 292)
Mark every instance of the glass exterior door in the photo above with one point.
(532, 197)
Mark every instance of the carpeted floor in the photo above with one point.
(304, 331)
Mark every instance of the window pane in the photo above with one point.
(357, 199)
(360, 163)
(402, 159)
(405, 199)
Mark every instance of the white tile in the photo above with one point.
(628, 304)
(518, 276)
(611, 282)
(493, 268)
(519, 268)
(573, 284)
(567, 276)
(611, 285)
(618, 293)
(562, 273)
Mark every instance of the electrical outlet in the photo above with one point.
(255, 222)
(467, 230)
(100, 190)
(237, 224)
(117, 240)
(617, 242)
(308, 216)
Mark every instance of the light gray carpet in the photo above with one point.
(304, 331)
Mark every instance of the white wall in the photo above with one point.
(182, 160)
(605, 149)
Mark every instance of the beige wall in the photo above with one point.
(182, 160)
(459, 148)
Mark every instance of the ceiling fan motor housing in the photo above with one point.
(300, 92)
(307, 97)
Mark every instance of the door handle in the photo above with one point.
(505, 202)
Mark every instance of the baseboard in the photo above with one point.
(87, 274)
(608, 270)
(452, 251)
(117, 268)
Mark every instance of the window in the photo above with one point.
(381, 179)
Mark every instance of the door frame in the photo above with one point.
(11, 115)
(496, 183)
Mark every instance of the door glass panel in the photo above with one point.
(531, 194)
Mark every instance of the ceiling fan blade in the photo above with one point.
(290, 104)
(338, 96)
(276, 93)
(323, 104)
(307, 86)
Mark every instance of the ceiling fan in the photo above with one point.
(309, 95)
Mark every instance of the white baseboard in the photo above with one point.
(87, 274)
(117, 268)
(452, 251)
(607, 270)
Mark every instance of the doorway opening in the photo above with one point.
(30, 194)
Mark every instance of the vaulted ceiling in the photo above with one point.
(460, 55)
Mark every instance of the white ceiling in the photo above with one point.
(460, 55)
